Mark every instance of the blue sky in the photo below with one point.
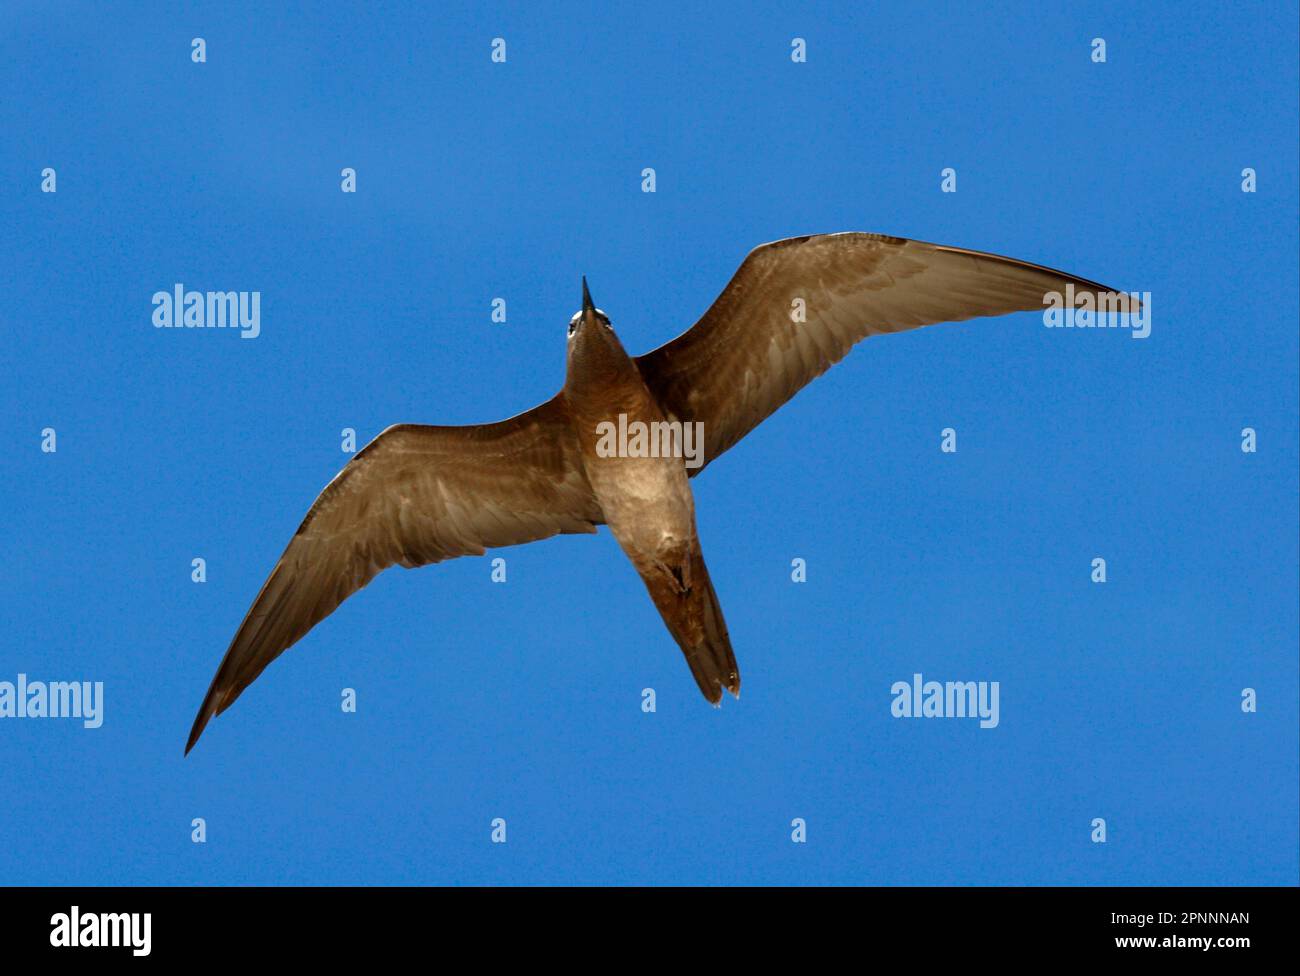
(522, 701)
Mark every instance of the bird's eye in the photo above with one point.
(573, 327)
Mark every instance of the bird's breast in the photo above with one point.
(635, 461)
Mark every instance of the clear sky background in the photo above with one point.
(523, 700)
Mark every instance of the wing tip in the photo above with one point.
(195, 732)
(206, 711)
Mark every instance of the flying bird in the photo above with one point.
(420, 494)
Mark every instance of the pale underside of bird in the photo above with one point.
(420, 494)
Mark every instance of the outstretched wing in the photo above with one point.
(414, 495)
(750, 353)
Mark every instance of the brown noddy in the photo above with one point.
(419, 494)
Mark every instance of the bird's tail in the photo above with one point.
(690, 608)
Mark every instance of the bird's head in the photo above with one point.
(594, 349)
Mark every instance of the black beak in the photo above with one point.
(588, 306)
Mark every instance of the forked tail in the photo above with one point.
(689, 605)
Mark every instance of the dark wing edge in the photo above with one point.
(414, 495)
(746, 356)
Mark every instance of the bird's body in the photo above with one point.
(646, 500)
(418, 494)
